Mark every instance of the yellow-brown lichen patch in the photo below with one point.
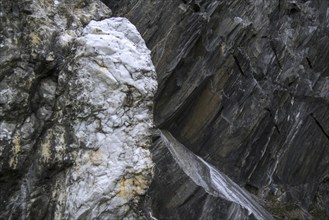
(141, 183)
(16, 143)
(137, 185)
(122, 191)
(35, 39)
(46, 145)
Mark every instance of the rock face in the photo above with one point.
(242, 105)
(245, 86)
(213, 182)
(76, 112)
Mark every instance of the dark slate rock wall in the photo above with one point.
(244, 85)
(183, 198)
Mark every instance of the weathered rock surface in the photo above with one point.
(245, 86)
(76, 96)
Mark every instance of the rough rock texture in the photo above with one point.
(244, 85)
(76, 100)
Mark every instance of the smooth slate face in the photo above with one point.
(243, 84)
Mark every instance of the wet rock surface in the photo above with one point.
(76, 96)
(243, 85)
